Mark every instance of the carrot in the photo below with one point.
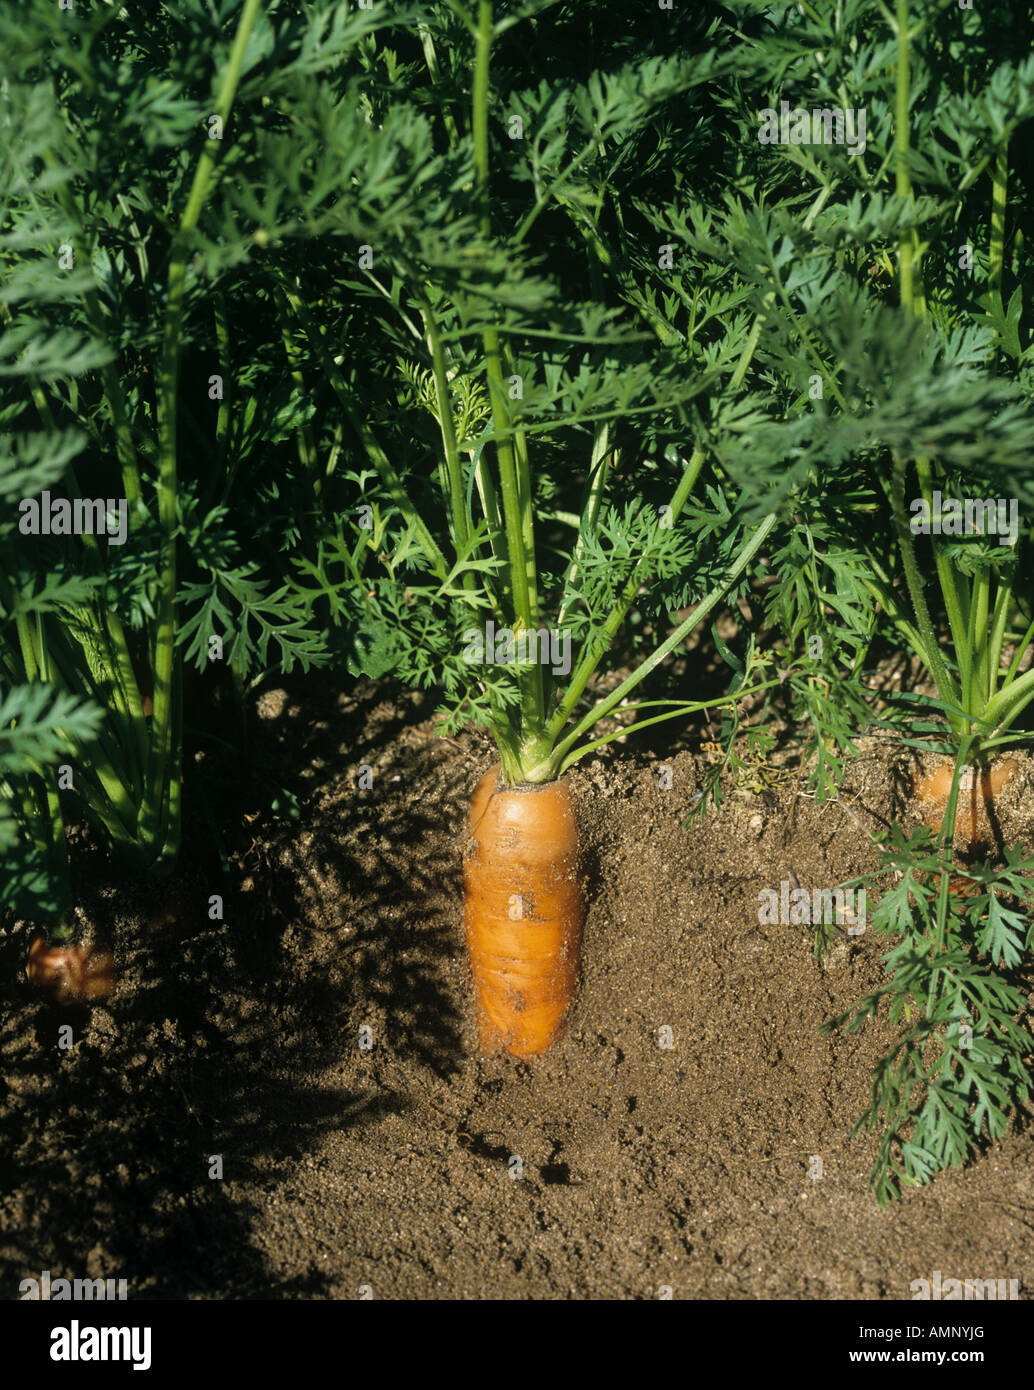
(977, 794)
(70, 973)
(523, 911)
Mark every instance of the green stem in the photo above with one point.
(112, 767)
(746, 356)
(222, 422)
(109, 628)
(953, 585)
(897, 612)
(28, 651)
(911, 293)
(1014, 665)
(901, 142)
(956, 602)
(945, 685)
(596, 650)
(306, 441)
(485, 484)
(974, 692)
(1000, 185)
(1010, 700)
(431, 59)
(101, 632)
(684, 707)
(158, 810)
(514, 479)
(994, 657)
(703, 608)
(53, 845)
(454, 474)
(443, 397)
(600, 463)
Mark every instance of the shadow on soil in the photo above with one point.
(108, 1147)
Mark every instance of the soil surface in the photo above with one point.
(614, 1167)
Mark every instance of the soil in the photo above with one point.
(614, 1167)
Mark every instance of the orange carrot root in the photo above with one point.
(70, 973)
(977, 793)
(523, 911)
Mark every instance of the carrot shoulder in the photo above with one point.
(523, 911)
(975, 812)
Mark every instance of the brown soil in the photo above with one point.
(642, 1167)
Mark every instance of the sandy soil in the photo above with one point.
(394, 1169)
